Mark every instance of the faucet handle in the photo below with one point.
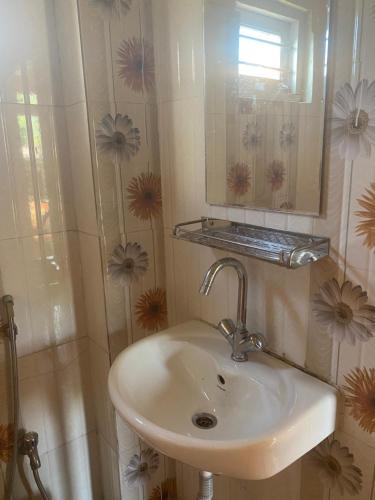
(256, 342)
(227, 328)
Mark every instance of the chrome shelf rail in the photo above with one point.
(285, 248)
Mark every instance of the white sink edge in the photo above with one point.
(276, 452)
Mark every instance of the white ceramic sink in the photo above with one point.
(268, 413)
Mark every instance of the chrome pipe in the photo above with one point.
(206, 486)
(30, 439)
(9, 328)
(209, 279)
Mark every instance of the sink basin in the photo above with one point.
(182, 393)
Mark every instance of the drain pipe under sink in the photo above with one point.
(206, 486)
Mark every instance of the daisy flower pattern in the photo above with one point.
(117, 137)
(366, 227)
(335, 466)
(144, 194)
(252, 136)
(287, 205)
(128, 264)
(110, 7)
(276, 175)
(343, 312)
(136, 64)
(353, 122)
(238, 179)
(151, 310)
(287, 135)
(360, 397)
(140, 467)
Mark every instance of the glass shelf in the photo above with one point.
(291, 250)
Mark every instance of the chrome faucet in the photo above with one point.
(237, 335)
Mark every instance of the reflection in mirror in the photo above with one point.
(266, 66)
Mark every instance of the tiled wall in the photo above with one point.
(47, 217)
(107, 28)
(279, 301)
(64, 208)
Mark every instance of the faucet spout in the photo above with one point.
(237, 336)
(209, 279)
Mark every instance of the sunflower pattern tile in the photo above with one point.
(166, 491)
(117, 37)
(239, 179)
(136, 65)
(151, 310)
(366, 217)
(144, 195)
(276, 175)
(359, 392)
(6, 442)
(132, 252)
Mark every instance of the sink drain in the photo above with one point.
(204, 420)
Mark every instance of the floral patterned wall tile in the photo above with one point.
(133, 54)
(96, 47)
(335, 468)
(356, 476)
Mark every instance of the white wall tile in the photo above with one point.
(69, 47)
(7, 208)
(104, 410)
(179, 49)
(74, 470)
(13, 282)
(110, 470)
(55, 394)
(30, 66)
(81, 168)
(39, 167)
(97, 61)
(54, 288)
(93, 289)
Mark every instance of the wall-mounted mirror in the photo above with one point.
(266, 67)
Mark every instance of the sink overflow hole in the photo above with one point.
(221, 379)
(204, 420)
